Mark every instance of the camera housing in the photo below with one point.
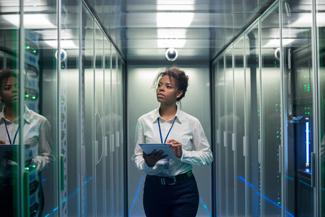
(171, 54)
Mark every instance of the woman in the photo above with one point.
(170, 188)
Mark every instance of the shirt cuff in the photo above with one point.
(184, 155)
(149, 169)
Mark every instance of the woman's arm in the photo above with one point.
(201, 153)
(138, 153)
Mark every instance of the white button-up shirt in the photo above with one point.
(187, 130)
(36, 133)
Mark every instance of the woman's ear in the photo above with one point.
(179, 94)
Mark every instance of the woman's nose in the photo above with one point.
(161, 87)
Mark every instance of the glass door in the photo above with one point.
(320, 6)
(297, 47)
(270, 114)
(239, 127)
(252, 148)
(228, 120)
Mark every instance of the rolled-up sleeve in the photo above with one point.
(201, 153)
(138, 153)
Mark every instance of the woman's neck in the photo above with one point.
(167, 112)
(9, 113)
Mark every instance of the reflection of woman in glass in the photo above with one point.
(170, 188)
(36, 138)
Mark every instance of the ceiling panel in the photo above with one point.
(144, 29)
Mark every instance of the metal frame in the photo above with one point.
(316, 110)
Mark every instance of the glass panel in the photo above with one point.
(9, 76)
(100, 157)
(121, 140)
(220, 79)
(228, 120)
(107, 121)
(89, 184)
(118, 136)
(69, 109)
(115, 133)
(270, 114)
(252, 160)
(321, 36)
(41, 102)
(297, 22)
(239, 127)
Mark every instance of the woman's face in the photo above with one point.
(167, 91)
(8, 92)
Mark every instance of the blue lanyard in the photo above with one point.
(13, 142)
(170, 129)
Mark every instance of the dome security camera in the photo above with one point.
(171, 54)
(63, 55)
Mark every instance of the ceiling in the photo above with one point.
(198, 29)
(143, 29)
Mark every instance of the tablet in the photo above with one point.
(148, 148)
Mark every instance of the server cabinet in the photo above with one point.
(220, 78)
(228, 132)
(88, 151)
(252, 179)
(297, 26)
(270, 114)
(239, 127)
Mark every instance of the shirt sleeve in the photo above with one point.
(138, 153)
(44, 156)
(201, 153)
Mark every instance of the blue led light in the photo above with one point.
(307, 163)
(264, 197)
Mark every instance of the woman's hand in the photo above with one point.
(176, 146)
(152, 158)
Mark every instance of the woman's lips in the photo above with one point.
(160, 95)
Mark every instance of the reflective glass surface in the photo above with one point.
(270, 115)
(69, 105)
(296, 33)
(239, 127)
(320, 6)
(41, 83)
(87, 150)
(227, 118)
(252, 179)
(12, 164)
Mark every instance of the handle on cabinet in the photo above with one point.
(313, 169)
(280, 158)
(105, 146)
(259, 150)
(225, 138)
(244, 146)
(62, 172)
(218, 136)
(233, 138)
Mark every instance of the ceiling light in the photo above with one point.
(306, 20)
(31, 21)
(178, 7)
(174, 20)
(275, 43)
(65, 44)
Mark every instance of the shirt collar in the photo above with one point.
(179, 115)
(27, 115)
